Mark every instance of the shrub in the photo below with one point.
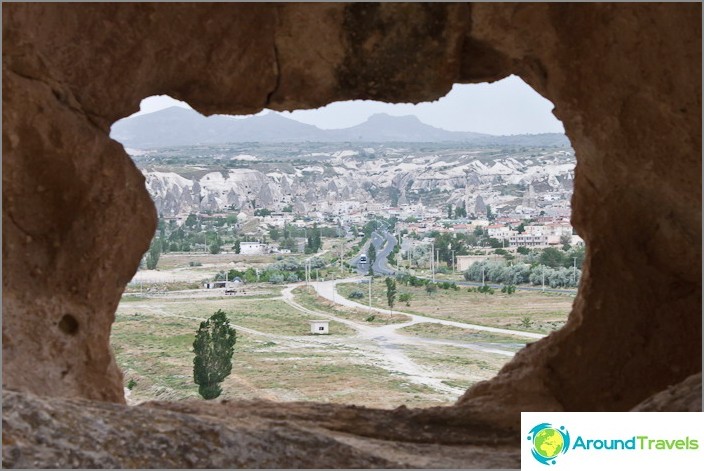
(356, 295)
(508, 289)
(405, 298)
(131, 384)
(485, 289)
(431, 288)
(370, 318)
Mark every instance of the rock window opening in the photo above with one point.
(256, 212)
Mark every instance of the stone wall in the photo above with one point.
(624, 79)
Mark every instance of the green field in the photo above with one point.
(524, 310)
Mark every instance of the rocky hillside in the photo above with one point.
(330, 177)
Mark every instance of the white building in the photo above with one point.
(319, 327)
(499, 231)
(253, 248)
(527, 240)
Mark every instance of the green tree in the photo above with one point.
(390, 291)
(566, 241)
(552, 257)
(461, 211)
(523, 250)
(449, 211)
(215, 247)
(274, 233)
(153, 254)
(371, 254)
(489, 215)
(213, 347)
(521, 228)
(191, 221)
(262, 212)
(237, 246)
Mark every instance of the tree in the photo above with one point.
(461, 211)
(237, 247)
(390, 291)
(371, 254)
(523, 250)
(521, 228)
(431, 288)
(552, 257)
(213, 348)
(489, 215)
(191, 221)
(215, 247)
(153, 254)
(449, 211)
(262, 212)
(274, 233)
(566, 241)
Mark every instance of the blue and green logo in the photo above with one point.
(548, 442)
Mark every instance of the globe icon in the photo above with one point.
(548, 443)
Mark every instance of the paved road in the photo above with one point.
(383, 243)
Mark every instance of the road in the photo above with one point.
(381, 266)
(383, 243)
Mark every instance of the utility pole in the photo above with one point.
(543, 279)
(483, 284)
(342, 248)
(453, 261)
(432, 259)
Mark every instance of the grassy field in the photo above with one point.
(268, 316)
(306, 296)
(154, 349)
(448, 332)
(524, 310)
(462, 366)
(169, 261)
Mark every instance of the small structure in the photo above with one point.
(319, 327)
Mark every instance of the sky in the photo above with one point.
(508, 106)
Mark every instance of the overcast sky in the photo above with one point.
(508, 106)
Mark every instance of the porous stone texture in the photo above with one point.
(683, 397)
(624, 79)
(72, 433)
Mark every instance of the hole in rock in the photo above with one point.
(68, 324)
(459, 208)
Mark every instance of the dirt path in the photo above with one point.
(390, 343)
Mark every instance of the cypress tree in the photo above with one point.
(213, 348)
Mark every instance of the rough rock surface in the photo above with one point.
(70, 433)
(625, 80)
(683, 397)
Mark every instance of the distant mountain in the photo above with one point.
(385, 128)
(175, 126)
